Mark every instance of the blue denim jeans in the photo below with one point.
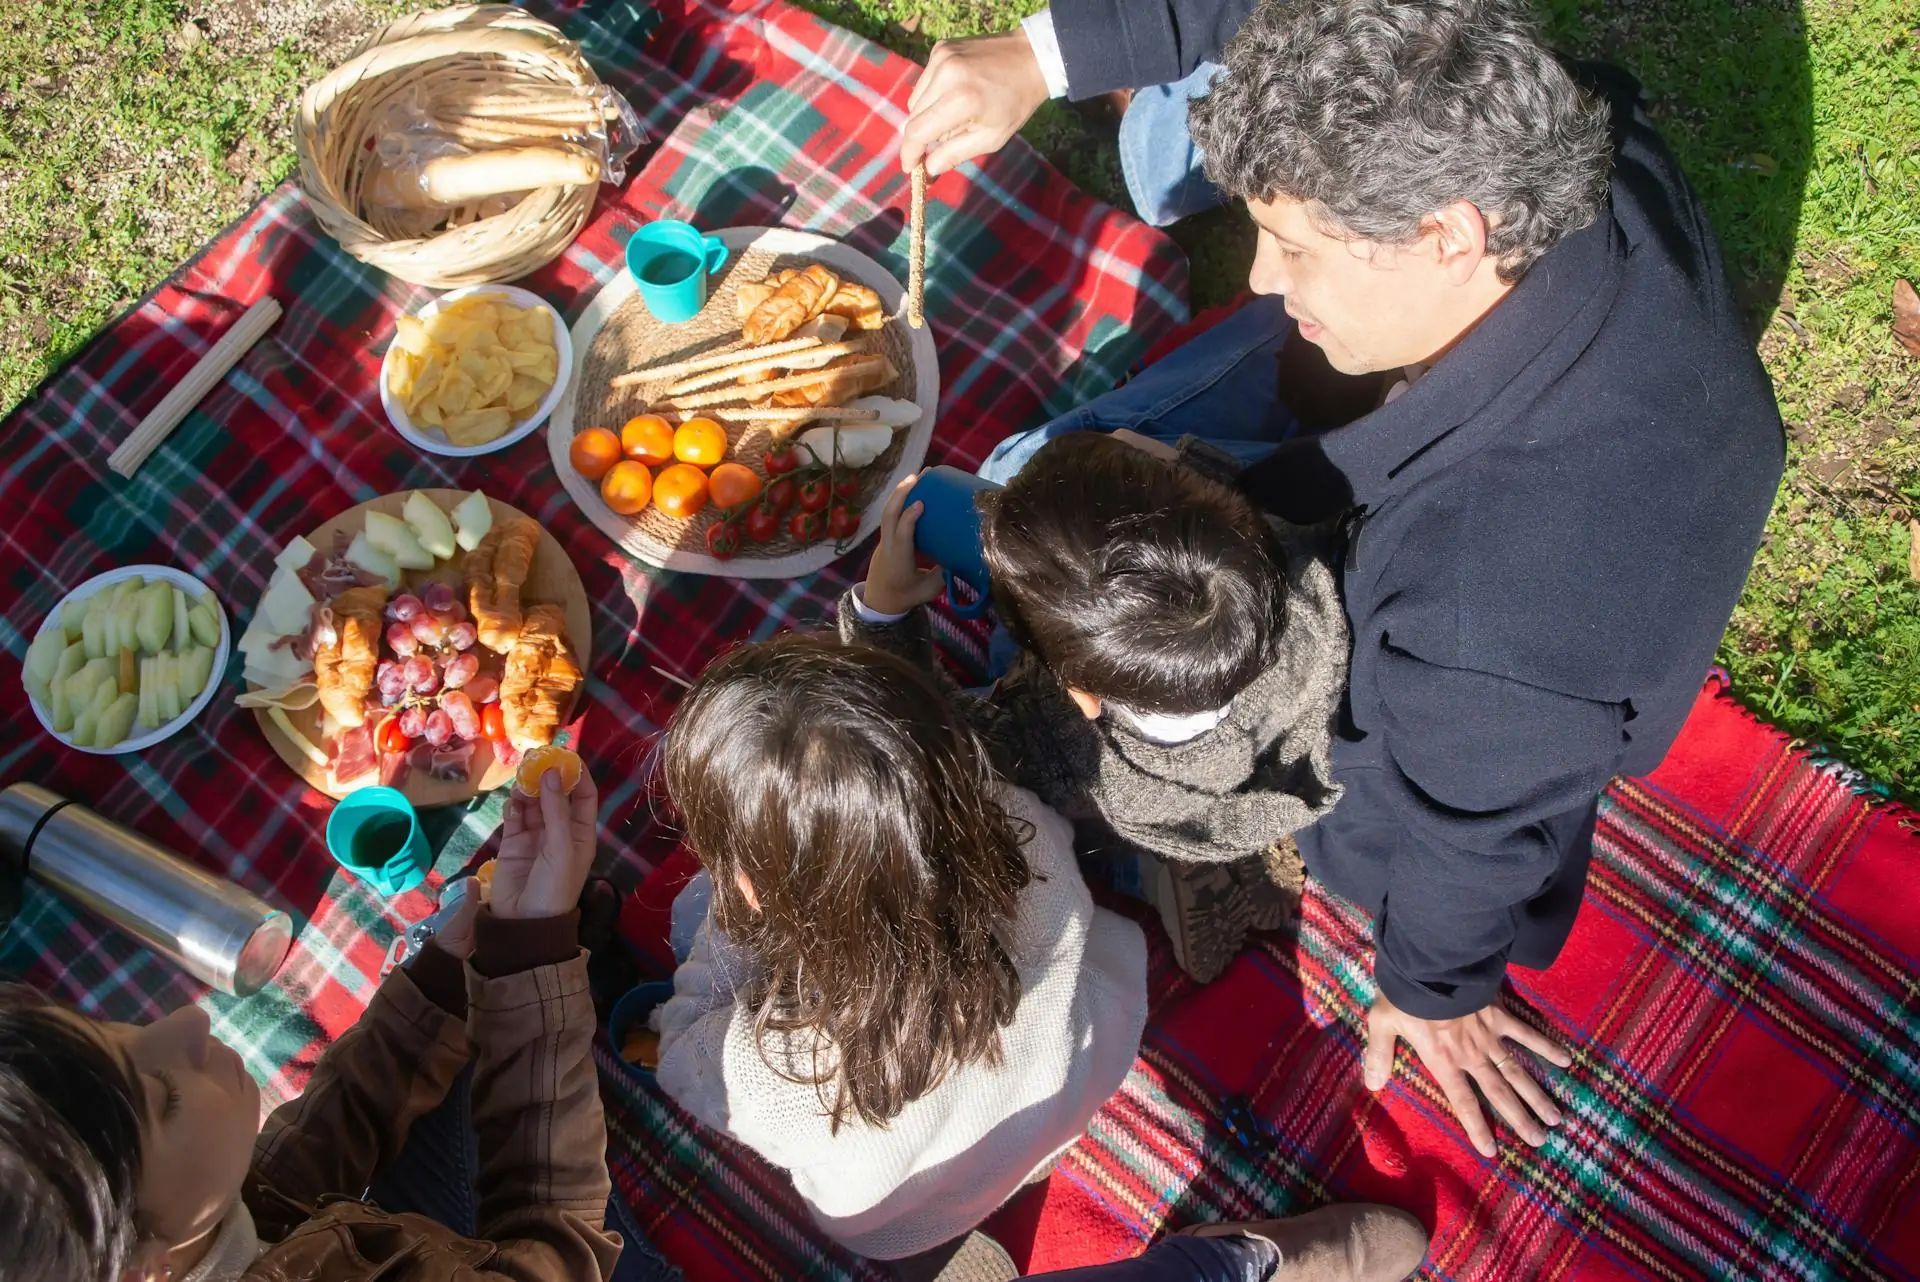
(1157, 155)
(1186, 1259)
(1223, 385)
(434, 1175)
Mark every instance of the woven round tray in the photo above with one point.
(340, 114)
(617, 334)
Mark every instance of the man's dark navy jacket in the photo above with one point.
(1548, 533)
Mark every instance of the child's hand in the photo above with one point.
(546, 849)
(895, 584)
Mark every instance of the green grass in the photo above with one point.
(125, 143)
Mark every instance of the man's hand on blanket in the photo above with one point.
(546, 849)
(1473, 1047)
(895, 583)
(974, 95)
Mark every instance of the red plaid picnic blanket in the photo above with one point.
(760, 113)
(1739, 995)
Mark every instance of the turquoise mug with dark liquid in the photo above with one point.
(670, 262)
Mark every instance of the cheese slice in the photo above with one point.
(286, 605)
(295, 554)
(258, 639)
(276, 668)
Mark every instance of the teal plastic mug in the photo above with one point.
(375, 835)
(670, 262)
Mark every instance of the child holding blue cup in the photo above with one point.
(1179, 668)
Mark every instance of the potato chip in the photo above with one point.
(524, 393)
(474, 367)
(477, 427)
(410, 336)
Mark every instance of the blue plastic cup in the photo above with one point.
(948, 533)
(670, 262)
(375, 835)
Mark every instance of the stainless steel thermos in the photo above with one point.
(219, 933)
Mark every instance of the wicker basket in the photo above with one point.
(490, 45)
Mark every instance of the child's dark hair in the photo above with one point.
(1134, 578)
(69, 1147)
(863, 812)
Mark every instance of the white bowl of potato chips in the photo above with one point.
(475, 370)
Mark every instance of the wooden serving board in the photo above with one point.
(551, 578)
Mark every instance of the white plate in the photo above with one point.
(850, 264)
(429, 437)
(166, 574)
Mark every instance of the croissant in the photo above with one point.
(539, 679)
(858, 304)
(343, 668)
(750, 295)
(493, 573)
(797, 301)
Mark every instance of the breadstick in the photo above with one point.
(795, 414)
(917, 248)
(207, 371)
(813, 358)
(757, 390)
(712, 360)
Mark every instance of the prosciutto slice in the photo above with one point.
(353, 754)
(327, 575)
(452, 763)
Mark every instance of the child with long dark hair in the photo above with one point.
(903, 994)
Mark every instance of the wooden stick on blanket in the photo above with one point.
(187, 393)
(917, 248)
(728, 355)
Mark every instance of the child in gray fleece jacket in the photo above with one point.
(1182, 660)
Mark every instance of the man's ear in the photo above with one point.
(148, 1263)
(1089, 705)
(1457, 234)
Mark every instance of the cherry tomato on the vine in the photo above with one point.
(781, 461)
(815, 493)
(846, 485)
(843, 522)
(762, 522)
(807, 527)
(723, 540)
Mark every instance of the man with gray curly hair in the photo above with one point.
(1545, 433)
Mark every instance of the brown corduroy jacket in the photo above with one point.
(542, 1181)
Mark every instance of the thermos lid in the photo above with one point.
(23, 806)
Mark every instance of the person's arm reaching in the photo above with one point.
(395, 1064)
(543, 1181)
(1127, 44)
(977, 93)
(1481, 774)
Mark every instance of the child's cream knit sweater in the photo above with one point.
(954, 1155)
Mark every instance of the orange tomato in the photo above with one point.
(700, 441)
(648, 438)
(680, 490)
(594, 452)
(540, 760)
(732, 484)
(626, 487)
